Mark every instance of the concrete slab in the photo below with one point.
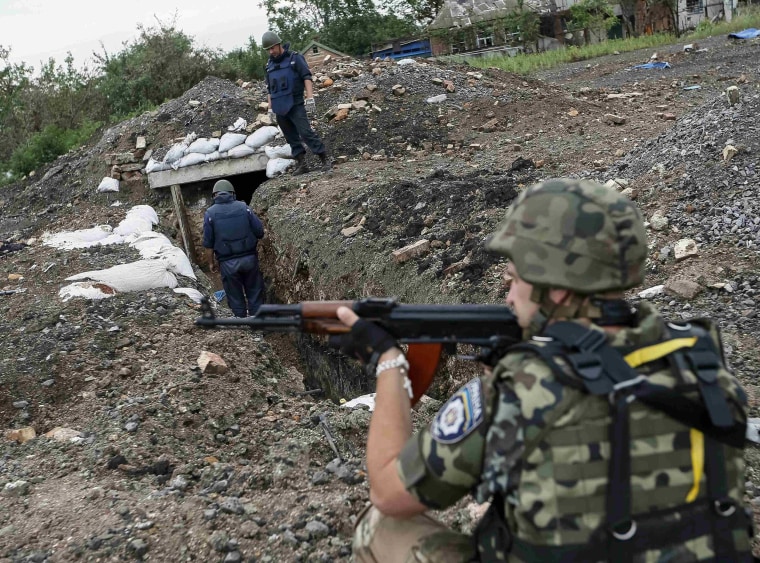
(208, 171)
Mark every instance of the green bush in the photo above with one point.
(46, 146)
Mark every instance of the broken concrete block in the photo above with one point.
(410, 251)
(21, 435)
(490, 126)
(211, 363)
(687, 289)
(685, 248)
(141, 143)
(658, 221)
(398, 90)
(348, 232)
(651, 291)
(60, 434)
(263, 106)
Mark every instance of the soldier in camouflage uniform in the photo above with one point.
(607, 435)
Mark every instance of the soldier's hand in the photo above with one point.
(213, 267)
(272, 116)
(365, 339)
(311, 108)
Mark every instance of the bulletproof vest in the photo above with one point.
(281, 78)
(641, 460)
(233, 236)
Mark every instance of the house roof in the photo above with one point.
(310, 44)
(463, 13)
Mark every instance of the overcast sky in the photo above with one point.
(36, 30)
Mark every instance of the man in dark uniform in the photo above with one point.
(608, 434)
(231, 232)
(288, 78)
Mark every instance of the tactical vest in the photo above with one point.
(281, 78)
(640, 461)
(233, 236)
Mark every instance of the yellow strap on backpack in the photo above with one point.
(655, 352)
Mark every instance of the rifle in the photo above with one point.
(428, 330)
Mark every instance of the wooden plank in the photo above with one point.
(208, 171)
(184, 228)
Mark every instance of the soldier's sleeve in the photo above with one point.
(208, 232)
(443, 462)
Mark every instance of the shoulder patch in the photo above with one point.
(461, 414)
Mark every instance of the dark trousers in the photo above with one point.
(295, 126)
(243, 284)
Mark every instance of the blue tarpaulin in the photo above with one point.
(219, 295)
(653, 65)
(750, 33)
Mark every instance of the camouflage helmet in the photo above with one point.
(270, 39)
(223, 186)
(574, 234)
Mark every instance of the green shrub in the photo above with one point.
(47, 145)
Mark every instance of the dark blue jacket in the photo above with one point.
(285, 77)
(231, 228)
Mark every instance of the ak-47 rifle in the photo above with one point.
(426, 329)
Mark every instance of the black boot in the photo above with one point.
(326, 162)
(301, 166)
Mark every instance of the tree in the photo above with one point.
(596, 16)
(161, 64)
(351, 26)
(246, 63)
(420, 13)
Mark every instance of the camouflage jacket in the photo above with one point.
(520, 435)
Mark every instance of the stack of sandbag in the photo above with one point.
(195, 150)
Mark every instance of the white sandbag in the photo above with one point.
(261, 137)
(132, 225)
(240, 151)
(193, 294)
(239, 125)
(191, 159)
(84, 238)
(108, 185)
(155, 166)
(176, 260)
(144, 211)
(175, 153)
(135, 276)
(88, 290)
(216, 155)
(277, 166)
(230, 140)
(203, 146)
(281, 151)
(149, 244)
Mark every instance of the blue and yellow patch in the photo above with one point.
(461, 414)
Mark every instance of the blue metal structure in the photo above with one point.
(404, 49)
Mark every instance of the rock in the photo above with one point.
(733, 95)
(140, 143)
(60, 434)
(211, 363)
(398, 90)
(193, 103)
(683, 288)
(411, 251)
(436, 99)
(359, 104)
(317, 529)
(21, 435)
(340, 115)
(320, 478)
(348, 232)
(16, 489)
(15, 277)
(651, 292)
(669, 116)
(233, 557)
(729, 152)
(658, 221)
(138, 547)
(613, 119)
(232, 505)
(328, 82)
(131, 426)
(490, 126)
(20, 404)
(685, 248)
